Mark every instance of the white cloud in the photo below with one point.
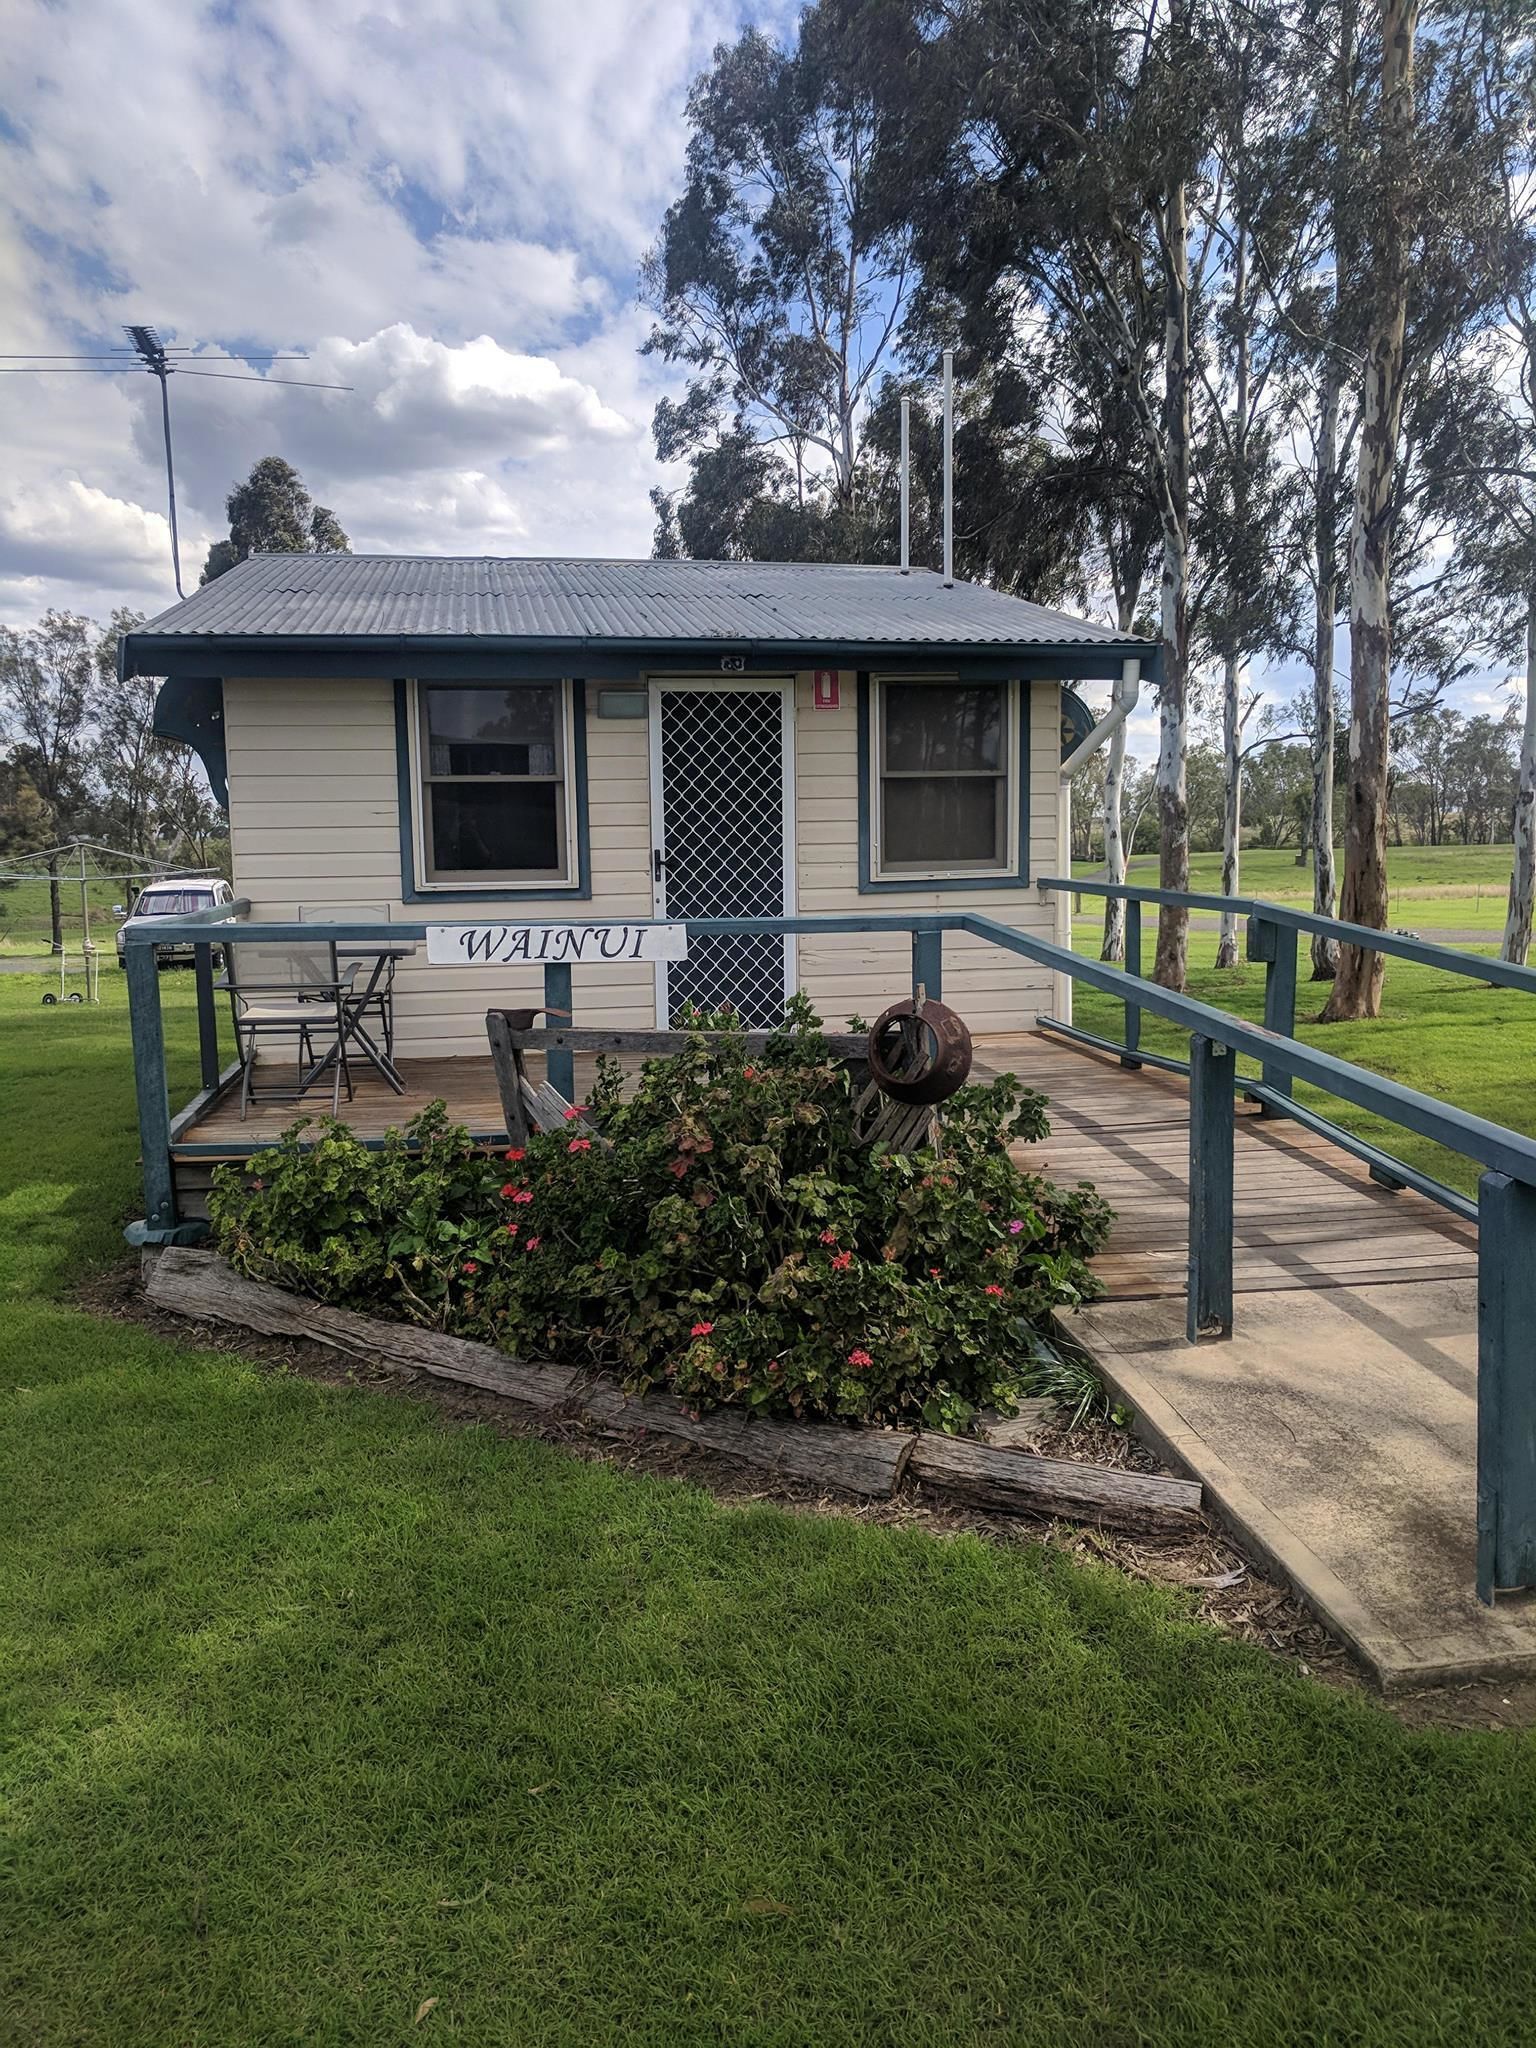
(446, 207)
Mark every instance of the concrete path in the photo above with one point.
(1336, 1429)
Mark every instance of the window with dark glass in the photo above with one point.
(943, 778)
(493, 782)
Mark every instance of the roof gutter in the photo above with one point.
(1122, 703)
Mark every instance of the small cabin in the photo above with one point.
(409, 738)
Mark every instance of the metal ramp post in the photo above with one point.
(1506, 1385)
(1212, 1069)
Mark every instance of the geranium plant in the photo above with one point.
(714, 1227)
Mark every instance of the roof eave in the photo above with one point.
(356, 655)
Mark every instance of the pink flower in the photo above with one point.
(749, 1073)
(579, 1145)
(517, 1152)
(572, 1114)
(470, 1266)
(859, 1359)
(531, 1244)
(522, 1194)
(512, 1229)
(992, 1290)
(701, 1329)
(1015, 1226)
(936, 1274)
(509, 1191)
(829, 1236)
(842, 1262)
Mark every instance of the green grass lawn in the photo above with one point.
(1433, 888)
(316, 1709)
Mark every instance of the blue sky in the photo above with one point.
(444, 205)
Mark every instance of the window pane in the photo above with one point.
(492, 732)
(483, 827)
(947, 821)
(939, 726)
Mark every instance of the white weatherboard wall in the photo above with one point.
(313, 797)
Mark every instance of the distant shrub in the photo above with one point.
(723, 1235)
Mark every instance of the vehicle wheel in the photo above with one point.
(75, 996)
(50, 997)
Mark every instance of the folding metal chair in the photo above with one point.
(294, 993)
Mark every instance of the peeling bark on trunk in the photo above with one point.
(1325, 952)
(1356, 990)
(1517, 924)
(1232, 804)
(1173, 696)
(1113, 947)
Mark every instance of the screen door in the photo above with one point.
(721, 801)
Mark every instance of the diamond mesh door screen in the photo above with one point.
(722, 799)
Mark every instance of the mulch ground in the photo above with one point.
(1229, 1589)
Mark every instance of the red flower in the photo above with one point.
(859, 1359)
(829, 1236)
(531, 1244)
(512, 1230)
(522, 1195)
(842, 1262)
(992, 1290)
(470, 1266)
(509, 1191)
(579, 1145)
(517, 1152)
(935, 1272)
(572, 1114)
(701, 1329)
(749, 1073)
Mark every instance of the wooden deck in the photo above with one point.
(1307, 1215)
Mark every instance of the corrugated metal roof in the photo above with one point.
(564, 601)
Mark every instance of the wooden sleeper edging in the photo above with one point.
(870, 1463)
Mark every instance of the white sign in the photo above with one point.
(553, 945)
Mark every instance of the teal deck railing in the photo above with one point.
(1505, 1211)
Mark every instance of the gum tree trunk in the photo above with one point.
(1356, 990)
(1113, 947)
(1232, 804)
(1517, 923)
(1173, 698)
(1325, 952)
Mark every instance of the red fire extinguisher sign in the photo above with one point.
(824, 689)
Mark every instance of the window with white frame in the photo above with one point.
(942, 779)
(496, 784)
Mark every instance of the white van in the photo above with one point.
(173, 899)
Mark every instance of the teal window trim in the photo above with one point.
(509, 892)
(908, 885)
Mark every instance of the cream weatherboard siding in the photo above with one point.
(313, 797)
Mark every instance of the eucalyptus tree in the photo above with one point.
(1043, 158)
(776, 285)
(1489, 470)
(48, 677)
(271, 512)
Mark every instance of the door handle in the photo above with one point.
(657, 863)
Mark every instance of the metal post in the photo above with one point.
(1211, 1100)
(1275, 945)
(560, 1066)
(949, 467)
(928, 962)
(906, 487)
(1132, 966)
(1506, 1385)
(207, 1014)
(147, 1031)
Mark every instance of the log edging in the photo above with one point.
(868, 1463)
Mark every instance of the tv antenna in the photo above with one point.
(146, 354)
